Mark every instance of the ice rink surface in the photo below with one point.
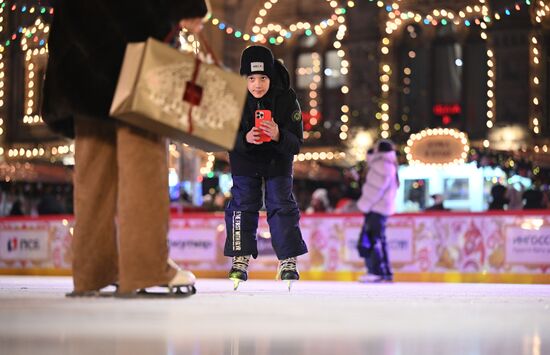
(262, 317)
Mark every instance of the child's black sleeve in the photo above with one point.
(241, 145)
(290, 126)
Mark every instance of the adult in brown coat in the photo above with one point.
(120, 171)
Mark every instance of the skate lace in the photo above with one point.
(288, 264)
(241, 263)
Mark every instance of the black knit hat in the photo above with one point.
(257, 60)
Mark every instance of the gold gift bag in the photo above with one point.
(174, 94)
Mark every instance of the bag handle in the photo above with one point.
(176, 29)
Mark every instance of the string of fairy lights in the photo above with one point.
(491, 76)
(276, 34)
(535, 54)
(542, 10)
(2, 78)
(535, 57)
(34, 59)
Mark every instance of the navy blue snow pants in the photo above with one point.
(372, 245)
(283, 216)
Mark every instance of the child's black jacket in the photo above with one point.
(272, 158)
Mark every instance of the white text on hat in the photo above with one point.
(256, 66)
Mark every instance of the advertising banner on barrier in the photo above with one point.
(528, 246)
(401, 244)
(197, 244)
(29, 245)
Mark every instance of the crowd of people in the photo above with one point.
(35, 199)
(513, 198)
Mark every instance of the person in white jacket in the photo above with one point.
(377, 202)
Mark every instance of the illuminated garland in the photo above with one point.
(344, 116)
(315, 156)
(491, 97)
(407, 71)
(536, 89)
(260, 34)
(22, 33)
(31, 105)
(444, 16)
(543, 9)
(2, 77)
(26, 9)
(384, 114)
(284, 33)
(314, 116)
(41, 151)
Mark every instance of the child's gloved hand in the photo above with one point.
(253, 136)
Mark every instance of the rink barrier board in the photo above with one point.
(506, 246)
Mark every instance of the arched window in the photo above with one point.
(318, 81)
(413, 82)
(447, 78)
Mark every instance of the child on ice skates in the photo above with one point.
(261, 166)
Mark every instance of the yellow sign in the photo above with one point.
(438, 146)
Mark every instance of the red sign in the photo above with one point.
(445, 110)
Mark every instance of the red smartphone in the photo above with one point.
(259, 116)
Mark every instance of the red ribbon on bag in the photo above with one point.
(193, 92)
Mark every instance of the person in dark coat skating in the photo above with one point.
(262, 171)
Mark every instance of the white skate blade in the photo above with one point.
(289, 284)
(171, 292)
(236, 282)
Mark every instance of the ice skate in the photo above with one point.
(181, 285)
(371, 278)
(288, 271)
(108, 291)
(239, 270)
